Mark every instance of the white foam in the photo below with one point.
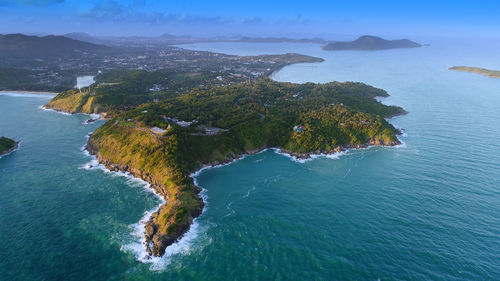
(137, 246)
(259, 160)
(53, 110)
(92, 118)
(183, 245)
(249, 191)
(95, 116)
(335, 155)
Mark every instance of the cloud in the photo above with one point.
(110, 10)
(138, 12)
(40, 3)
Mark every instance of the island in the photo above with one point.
(477, 70)
(370, 43)
(7, 146)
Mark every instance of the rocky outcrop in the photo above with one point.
(157, 240)
(182, 201)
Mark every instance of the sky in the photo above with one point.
(310, 18)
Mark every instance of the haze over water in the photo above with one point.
(426, 210)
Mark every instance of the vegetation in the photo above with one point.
(6, 145)
(123, 89)
(20, 45)
(216, 124)
(27, 80)
(477, 70)
(158, 161)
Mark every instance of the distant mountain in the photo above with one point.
(369, 43)
(280, 40)
(168, 36)
(20, 45)
(170, 39)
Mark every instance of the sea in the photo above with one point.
(428, 209)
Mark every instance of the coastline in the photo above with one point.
(93, 116)
(139, 247)
(186, 233)
(180, 230)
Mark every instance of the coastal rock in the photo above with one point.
(156, 238)
(182, 201)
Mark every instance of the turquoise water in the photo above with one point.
(429, 210)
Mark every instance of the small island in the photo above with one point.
(477, 70)
(370, 43)
(7, 146)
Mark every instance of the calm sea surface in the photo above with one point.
(429, 210)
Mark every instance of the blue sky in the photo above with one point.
(330, 19)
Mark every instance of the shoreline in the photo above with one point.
(184, 237)
(93, 116)
(181, 230)
(139, 247)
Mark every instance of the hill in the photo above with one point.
(370, 43)
(20, 45)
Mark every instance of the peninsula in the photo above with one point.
(164, 142)
(370, 43)
(7, 145)
(477, 70)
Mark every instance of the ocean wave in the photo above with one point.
(137, 246)
(249, 191)
(92, 118)
(335, 155)
(53, 110)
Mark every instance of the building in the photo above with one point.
(299, 128)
